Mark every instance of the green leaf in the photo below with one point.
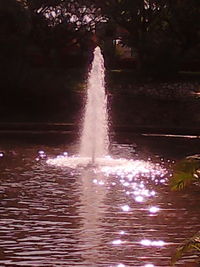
(191, 244)
(180, 180)
(184, 173)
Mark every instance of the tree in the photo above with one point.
(15, 26)
(64, 27)
(14, 20)
(184, 25)
(160, 32)
(184, 22)
(142, 22)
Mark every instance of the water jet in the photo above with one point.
(94, 138)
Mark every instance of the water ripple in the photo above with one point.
(53, 217)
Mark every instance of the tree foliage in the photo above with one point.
(185, 172)
(71, 24)
(160, 32)
(15, 28)
(13, 20)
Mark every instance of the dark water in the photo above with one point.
(63, 217)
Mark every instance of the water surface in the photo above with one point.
(53, 216)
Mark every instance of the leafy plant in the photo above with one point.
(191, 244)
(185, 172)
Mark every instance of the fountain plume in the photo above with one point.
(94, 139)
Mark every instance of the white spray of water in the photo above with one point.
(94, 139)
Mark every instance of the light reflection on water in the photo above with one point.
(53, 216)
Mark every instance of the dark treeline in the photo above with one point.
(46, 45)
(164, 34)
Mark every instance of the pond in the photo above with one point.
(60, 216)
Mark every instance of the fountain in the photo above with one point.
(94, 206)
(94, 141)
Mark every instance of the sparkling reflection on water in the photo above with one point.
(53, 216)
